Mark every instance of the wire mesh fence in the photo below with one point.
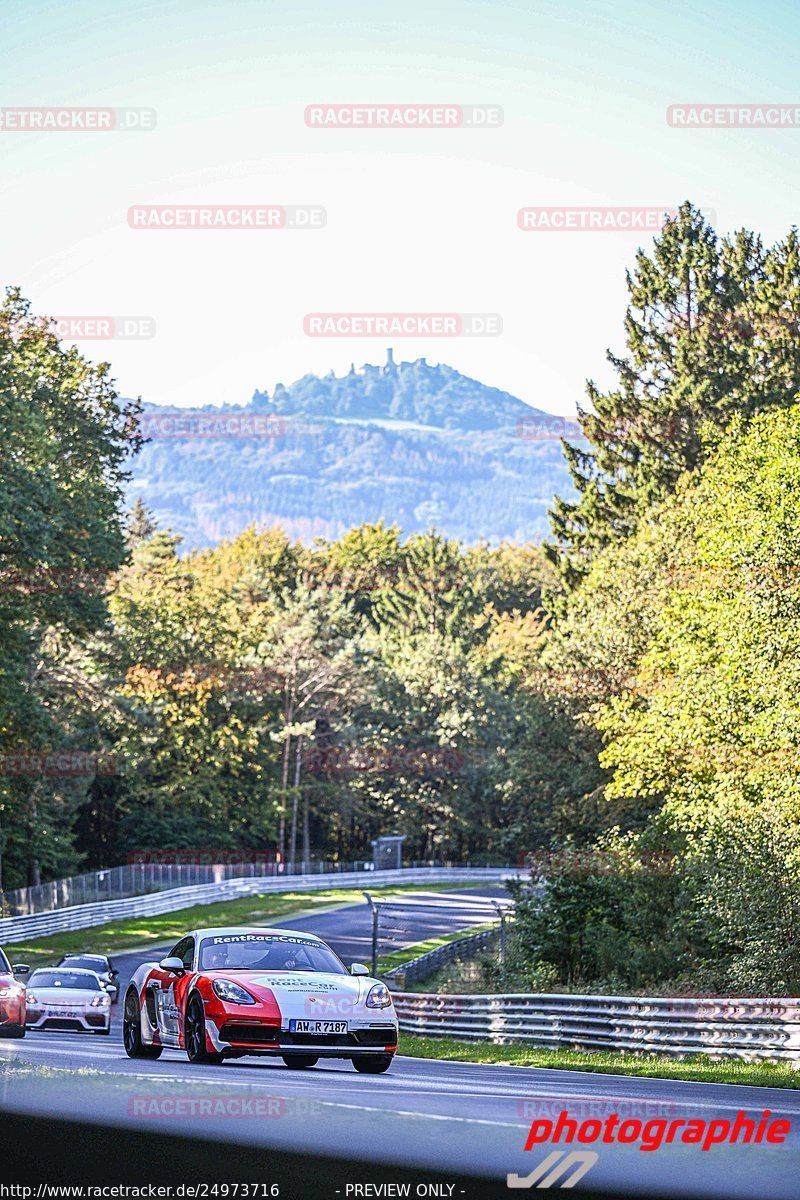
(141, 878)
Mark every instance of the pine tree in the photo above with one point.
(711, 331)
(141, 523)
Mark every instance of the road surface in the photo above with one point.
(423, 1114)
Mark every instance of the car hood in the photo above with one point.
(66, 996)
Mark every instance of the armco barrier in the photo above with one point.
(718, 1027)
(417, 969)
(85, 916)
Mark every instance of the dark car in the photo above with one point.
(101, 964)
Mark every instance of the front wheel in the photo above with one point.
(300, 1061)
(132, 1030)
(196, 1047)
(373, 1066)
(13, 1031)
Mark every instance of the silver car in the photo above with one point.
(101, 964)
(67, 998)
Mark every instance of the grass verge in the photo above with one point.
(697, 1069)
(132, 932)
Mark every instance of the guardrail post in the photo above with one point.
(374, 908)
(501, 912)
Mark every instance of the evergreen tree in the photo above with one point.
(711, 332)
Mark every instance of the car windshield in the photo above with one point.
(5, 966)
(267, 952)
(92, 962)
(65, 979)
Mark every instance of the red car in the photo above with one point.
(222, 993)
(12, 1000)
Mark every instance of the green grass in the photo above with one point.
(697, 1069)
(133, 932)
(388, 962)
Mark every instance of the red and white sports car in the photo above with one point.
(224, 993)
(12, 1000)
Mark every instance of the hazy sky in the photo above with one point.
(417, 220)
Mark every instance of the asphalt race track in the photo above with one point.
(423, 1114)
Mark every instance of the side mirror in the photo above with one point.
(175, 965)
(21, 969)
(359, 969)
(114, 974)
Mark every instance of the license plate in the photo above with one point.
(61, 1012)
(318, 1026)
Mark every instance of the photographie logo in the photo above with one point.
(57, 763)
(404, 116)
(650, 1135)
(227, 216)
(389, 760)
(602, 219)
(77, 120)
(197, 424)
(402, 324)
(734, 116)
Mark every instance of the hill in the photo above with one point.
(416, 444)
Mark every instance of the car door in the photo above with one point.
(182, 985)
(169, 993)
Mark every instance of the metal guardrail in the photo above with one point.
(85, 916)
(718, 1027)
(425, 965)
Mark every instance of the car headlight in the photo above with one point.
(5, 992)
(378, 996)
(100, 1000)
(231, 993)
(32, 999)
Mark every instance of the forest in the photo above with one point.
(624, 693)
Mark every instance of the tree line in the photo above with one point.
(626, 693)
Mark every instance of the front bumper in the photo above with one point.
(90, 1020)
(363, 1039)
